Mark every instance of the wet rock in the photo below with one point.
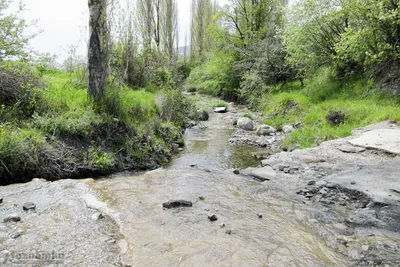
(193, 165)
(311, 183)
(228, 232)
(353, 182)
(259, 215)
(220, 110)
(29, 206)
(265, 130)
(287, 129)
(222, 225)
(236, 172)
(213, 218)
(245, 124)
(204, 116)
(201, 198)
(12, 218)
(1, 200)
(177, 204)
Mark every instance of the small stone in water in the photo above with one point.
(228, 232)
(29, 206)
(222, 225)
(201, 197)
(213, 217)
(193, 165)
(236, 172)
(1, 200)
(259, 215)
(311, 183)
(353, 182)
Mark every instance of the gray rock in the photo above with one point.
(12, 218)
(245, 124)
(287, 129)
(311, 183)
(177, 204)
(29, 206)
(236, 172)
(220, 110)
(228, 232)
(201, 198)
(353, 182)
(265, 130)
(1, 200)
(213, 217)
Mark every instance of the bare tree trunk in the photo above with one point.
(98, 53)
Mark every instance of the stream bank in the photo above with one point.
(261, 220)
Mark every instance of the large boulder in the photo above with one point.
(245, 124)
(265, 130)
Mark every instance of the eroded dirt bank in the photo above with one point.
(334, 205)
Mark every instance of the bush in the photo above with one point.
(17, 87)
(252, 89)
(174, 106)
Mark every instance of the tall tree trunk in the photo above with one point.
(98, 53)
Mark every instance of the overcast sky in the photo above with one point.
(63, 23)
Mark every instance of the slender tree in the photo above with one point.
(98, 49)
(202, 13)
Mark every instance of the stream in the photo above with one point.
(203, 174)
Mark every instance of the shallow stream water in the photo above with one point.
(154, 236)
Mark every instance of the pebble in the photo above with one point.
(311, 183)
(228, 232)
(353, 182)
(12, 218)
(222, 225)
(201, 197)
(97, 216)
(1, 200)
(193, 165)
(236, 172)
(259, 215)
(213, 217)
(29, 206)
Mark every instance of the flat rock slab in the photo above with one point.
(387, 140)
(380, 182)
(262, 174)
(220, 110)
(177, 204)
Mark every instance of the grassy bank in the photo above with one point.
(309, 106)
(59, 133)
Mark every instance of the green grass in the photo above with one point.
(311, 104)
(68, 130)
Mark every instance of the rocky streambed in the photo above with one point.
(217, 204)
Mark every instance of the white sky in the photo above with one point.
(63, 23)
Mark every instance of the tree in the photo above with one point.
(13, 42)
(170, 27)
(98, 49)
(202, 13)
